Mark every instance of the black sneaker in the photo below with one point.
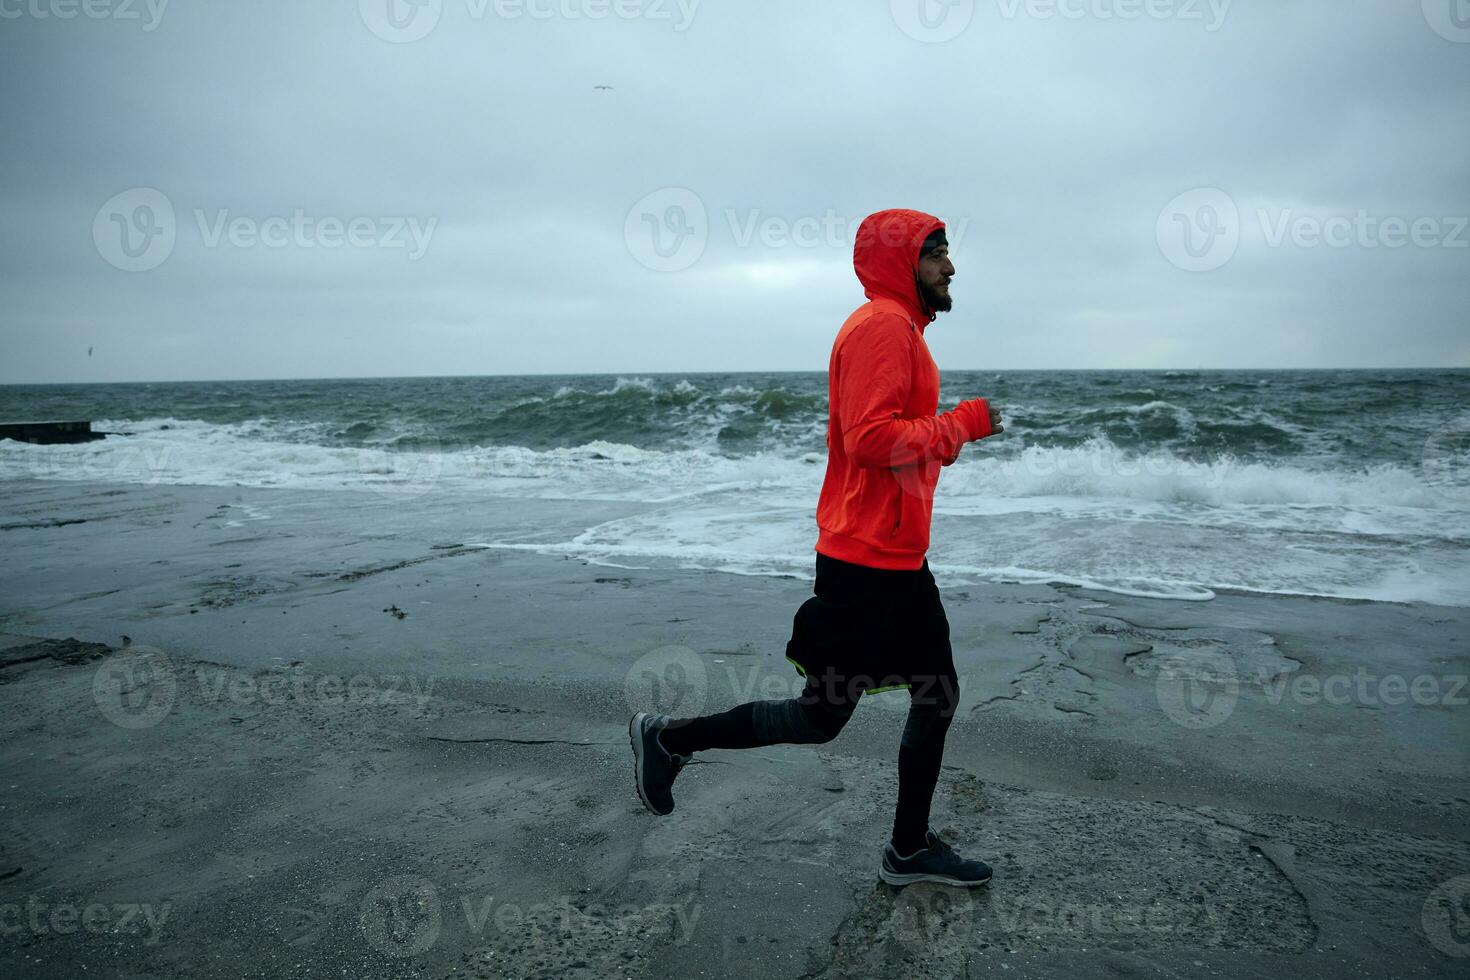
(938, 863)
(654, 767)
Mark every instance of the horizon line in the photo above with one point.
(635, 373)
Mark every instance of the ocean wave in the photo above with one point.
(645, 411)
(1139, 586)
(171, 450)
(751, 414)
(1100, 469)
(1167, 484)
(1121, 553)
(1096, 515)
(1153, 406)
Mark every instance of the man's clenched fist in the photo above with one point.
(982, 420)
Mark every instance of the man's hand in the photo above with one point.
(983, 418)
(993, 417)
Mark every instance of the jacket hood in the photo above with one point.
(886, 257)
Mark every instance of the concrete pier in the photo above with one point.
(49, 433)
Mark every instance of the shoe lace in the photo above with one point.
(941, 847)
(679, 761)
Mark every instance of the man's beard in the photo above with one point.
(939, 303)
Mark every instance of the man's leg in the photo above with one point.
(663, 746)
(826, 635)
(933, 699)
(817, 716)
(920, 756)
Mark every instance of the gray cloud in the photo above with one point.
(1054, 136)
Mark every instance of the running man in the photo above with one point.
(876, 622)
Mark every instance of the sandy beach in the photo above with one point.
(255, 732)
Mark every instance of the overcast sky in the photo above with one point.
(206, 189)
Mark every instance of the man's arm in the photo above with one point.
(875, 370)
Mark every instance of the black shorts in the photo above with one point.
(868, 630)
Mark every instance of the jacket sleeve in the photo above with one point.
(875, 373)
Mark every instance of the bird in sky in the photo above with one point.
(89, 352)
(603, 88)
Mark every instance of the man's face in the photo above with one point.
(935, 272)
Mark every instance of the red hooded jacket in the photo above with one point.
(885, 445)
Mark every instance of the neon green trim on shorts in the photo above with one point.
(872, 690)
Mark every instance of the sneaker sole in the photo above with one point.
(635, 738)
(893, 878)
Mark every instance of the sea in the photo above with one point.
(1171, 484)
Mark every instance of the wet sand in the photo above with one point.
(317, 734)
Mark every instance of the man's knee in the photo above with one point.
(925, 726)
(938, 692)
(826, 719)
(789, 720)
(931, 710)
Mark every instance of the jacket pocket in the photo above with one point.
(910, 528)
(896, 525)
